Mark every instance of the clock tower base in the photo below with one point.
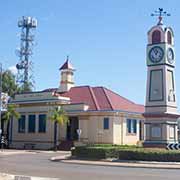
(161, 129)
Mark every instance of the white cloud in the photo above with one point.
(13, 69)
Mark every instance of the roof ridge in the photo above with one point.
(120, 95)
(94, 98)
(81, 86)
(107, 97)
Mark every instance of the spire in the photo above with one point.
(66, 79)
(67, 65)
(160, 13)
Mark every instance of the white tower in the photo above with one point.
(161, 109)
(67, 80)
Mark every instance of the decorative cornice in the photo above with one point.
(160, 115)
(67, 82)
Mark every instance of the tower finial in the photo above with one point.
(67, 58)
(160, 13)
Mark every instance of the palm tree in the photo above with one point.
(7, 117)
(59, 116)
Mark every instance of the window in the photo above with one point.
(169, 39)
(156, 37)
(31, 123)
(106, 123)
(42, 123)
(21, 124)
(132, 126)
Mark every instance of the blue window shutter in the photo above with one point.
(21, 124)
(134, 125)
(106, 123)
(129, 125)
(42, 123)
(31, 123)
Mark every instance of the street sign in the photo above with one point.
(173, 146)
(79, 131)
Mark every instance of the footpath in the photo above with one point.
(4, 176)
(118, 163)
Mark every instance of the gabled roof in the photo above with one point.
(66, 65)
(101, 98)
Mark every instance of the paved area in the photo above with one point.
(38, 164)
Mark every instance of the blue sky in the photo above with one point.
(105, 39)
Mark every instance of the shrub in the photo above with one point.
(126, 153)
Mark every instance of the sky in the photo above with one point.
(105, 40)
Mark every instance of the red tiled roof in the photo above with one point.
(100, 98)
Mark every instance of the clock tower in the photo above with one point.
(161, 109)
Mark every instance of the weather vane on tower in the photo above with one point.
(160, 13)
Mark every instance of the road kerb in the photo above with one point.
(140, 164)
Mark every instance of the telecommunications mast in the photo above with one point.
(24, 67)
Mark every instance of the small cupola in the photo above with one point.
(160, 33)
(67, 80)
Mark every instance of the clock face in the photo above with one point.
(170, 55)
(156, 54)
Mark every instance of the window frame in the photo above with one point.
(131, 126)
(106, 123)
(30, 123)
(22, 127)
(43, 130)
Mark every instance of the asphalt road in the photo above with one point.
(38, 164)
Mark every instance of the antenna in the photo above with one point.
(160, 13)
(27, 24)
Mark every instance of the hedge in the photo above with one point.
(126, 153)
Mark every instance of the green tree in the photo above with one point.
(26, 87)
(59, 116)
(6, 118)
(9, 85)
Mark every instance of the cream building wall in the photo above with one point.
(93, 131)
(91, 126)
(90, 122)
(36, 139)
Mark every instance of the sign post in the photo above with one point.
(2, 143)
(79, 131)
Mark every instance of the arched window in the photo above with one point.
(156, 37)
(169, 38)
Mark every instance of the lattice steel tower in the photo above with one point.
(24, 67)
